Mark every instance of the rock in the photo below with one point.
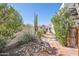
(32, 49)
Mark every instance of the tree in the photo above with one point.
(10, 22)
(10, 18)
(62, 23)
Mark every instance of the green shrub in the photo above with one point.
(10, 23)
(62, 23)
(2, 41)
(28, 37)
(43, 29)
(39, 33)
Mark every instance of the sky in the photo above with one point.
(45, 11)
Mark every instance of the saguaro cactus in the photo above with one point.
(35, 22)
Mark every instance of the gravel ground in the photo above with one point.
(32, 49)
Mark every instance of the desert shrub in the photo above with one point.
(43, 29)
(28, 37)
(62, 23)
(2, 41)
(39, 34)
(10, 23)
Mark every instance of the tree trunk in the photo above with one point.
(68, 39)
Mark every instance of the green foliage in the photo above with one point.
(37, 31)
(43, 29)
(2, 41)
(10, 22)
(62, 23)
(28, 37)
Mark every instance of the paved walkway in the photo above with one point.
(62, 51)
